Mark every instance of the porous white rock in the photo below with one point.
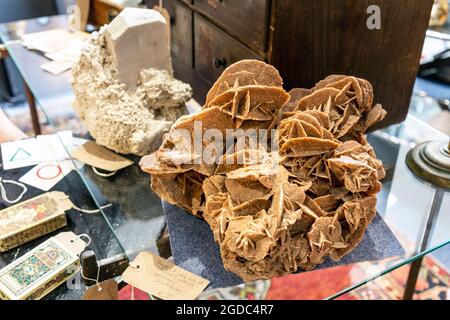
(126, 121)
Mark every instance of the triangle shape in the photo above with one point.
(20, 154)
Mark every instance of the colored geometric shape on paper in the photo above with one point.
(45, 172)
(20, 154)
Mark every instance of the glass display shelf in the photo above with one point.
(103, 241)
(52, 93)
(432, 283)
(405, 202)
(136, 218)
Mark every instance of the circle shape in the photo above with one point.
(49, 172)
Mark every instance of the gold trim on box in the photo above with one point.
(33, 232)
(12, 287)
(21, 223)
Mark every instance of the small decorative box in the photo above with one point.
(33, 218)
(41, 270)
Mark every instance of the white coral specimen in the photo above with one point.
(120, 119)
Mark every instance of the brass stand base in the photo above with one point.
(430, 163)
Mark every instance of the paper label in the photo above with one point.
(56, 67)
(52, 40)
(68, 54)
(163, 279)
(55, 146)
(100, 157)
(105, 290)
(46, 175)
(31, 151)
(20, 153)
(74, 244)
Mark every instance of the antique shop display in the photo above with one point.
(33, 218)
(124, 89)
(42, 269)
(306, 194)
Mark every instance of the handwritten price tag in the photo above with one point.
(163, 279)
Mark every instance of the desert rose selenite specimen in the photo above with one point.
(286, 207)
(124, 89)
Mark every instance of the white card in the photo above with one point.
(77, 142)
(47, 174)
(67, 54)
(52, 147)
(55, 146)
(20, 153)
(55, 67)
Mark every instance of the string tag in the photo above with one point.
(103, 174)
(89, 211)
(163, 279)
(105, 290)
(99, 157)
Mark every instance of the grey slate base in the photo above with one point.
(194, 248)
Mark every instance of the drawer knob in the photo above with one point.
(219, 62)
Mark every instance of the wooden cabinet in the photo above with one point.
(181, 32)
(215, 49)
(247, 20)
(306, 40)
(102, 12)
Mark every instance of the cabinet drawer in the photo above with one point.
(215, 50)
(180, 29)
(247, 20)
(151, 3)
(181, 32)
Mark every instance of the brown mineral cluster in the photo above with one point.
(284, 205)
